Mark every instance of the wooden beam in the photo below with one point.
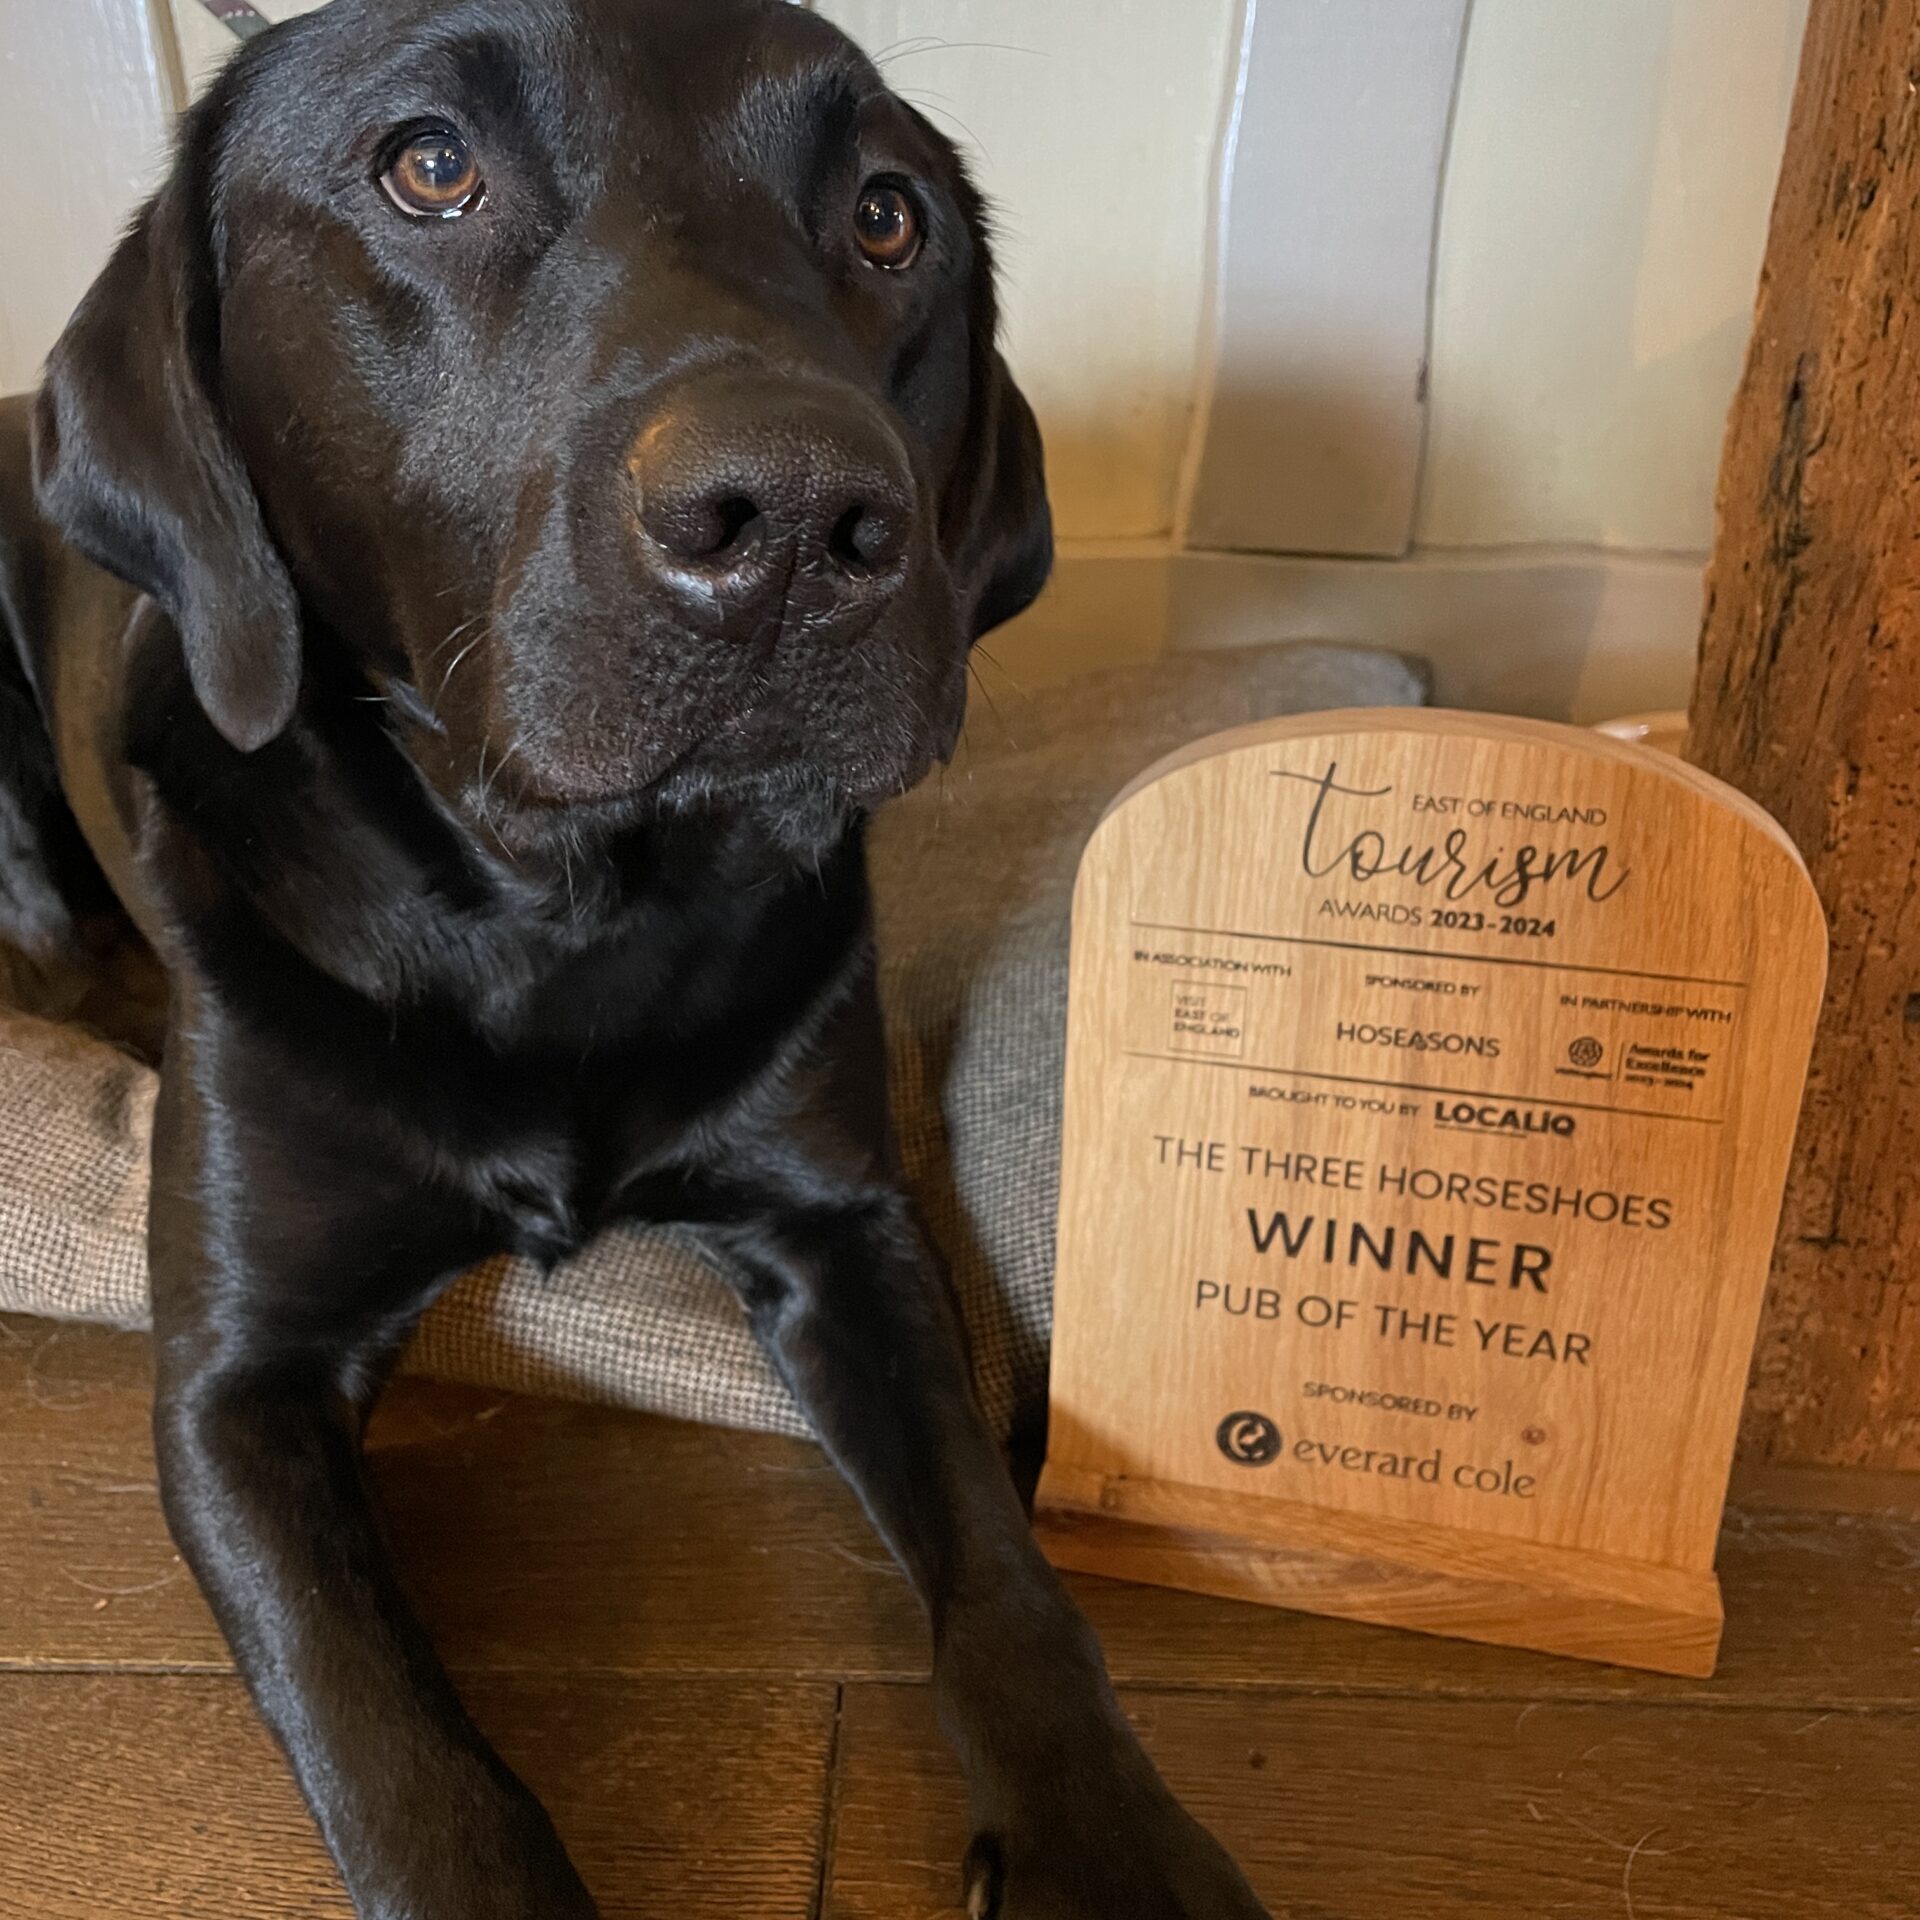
(1808, 698)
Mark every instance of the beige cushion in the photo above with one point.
(973, 874)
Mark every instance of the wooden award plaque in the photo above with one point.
(1431, 1080)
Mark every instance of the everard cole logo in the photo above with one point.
(1492, 1116)
(1249, 1439)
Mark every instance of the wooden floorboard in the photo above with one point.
(539, 1536)
(1369, 1809)
(534, 1534)
(145, 1797)
(656, 1623)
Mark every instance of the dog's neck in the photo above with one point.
(331, 859)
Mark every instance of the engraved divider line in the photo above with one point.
(1431, 953)
(1417, 1086)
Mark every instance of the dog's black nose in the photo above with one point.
(751, 487)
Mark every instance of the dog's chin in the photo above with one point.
(803, 809)
(802, 786)
(803, 804)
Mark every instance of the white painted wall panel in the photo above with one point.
(1316, 405)
(1602, 224)
(1094, 124)
(86, 91)
(206, 45)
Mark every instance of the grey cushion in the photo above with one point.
(973, 874)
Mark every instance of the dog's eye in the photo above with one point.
(434, 176)
(887, 225)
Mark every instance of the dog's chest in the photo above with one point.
(563, 1142)
(604, 1125)
(540, 1088)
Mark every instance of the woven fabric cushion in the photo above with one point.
(973, 875)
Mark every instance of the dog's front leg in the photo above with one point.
(280, 1298)
(1072, 1822)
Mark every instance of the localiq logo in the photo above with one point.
(1489, 1116)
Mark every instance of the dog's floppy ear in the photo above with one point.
(134, 464)
(1006, 551)
(997, 525)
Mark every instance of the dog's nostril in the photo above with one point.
(866, 539)
(770, 485)
(732, 517)
(714, 528)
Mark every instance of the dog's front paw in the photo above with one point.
(1121, 1851)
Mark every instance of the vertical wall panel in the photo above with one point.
(206, 45)
(1605, 208)
(1095, 125)
(86, 92)
(1317, 404)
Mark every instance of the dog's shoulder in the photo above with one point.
(68, 628)
(49, 591)
(16, 449)
(62, 938)
(40, 855)
(23, 533)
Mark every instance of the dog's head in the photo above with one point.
(611, 382)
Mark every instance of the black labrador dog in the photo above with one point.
(518, 497)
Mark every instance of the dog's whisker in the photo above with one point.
(441, 645)
(993, 660)
(938, 104)
(993, 706)
(933, 43)
(500, 766)
(457, 658)
(482, 805)
(905, 49)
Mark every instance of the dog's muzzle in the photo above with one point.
(767, 506)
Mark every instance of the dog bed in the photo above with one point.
(973, 874)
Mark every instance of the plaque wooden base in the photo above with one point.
(1390, 1573)
(1430, 1086)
